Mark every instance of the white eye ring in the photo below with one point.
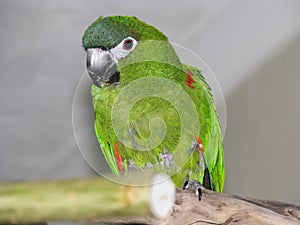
(123, 49)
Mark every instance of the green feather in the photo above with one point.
(154, 56)
(210, 132)
(107, 32)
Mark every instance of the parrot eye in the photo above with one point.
(128, 44)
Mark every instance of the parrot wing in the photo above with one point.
(120, 157)
(210, 131)
(101, 127)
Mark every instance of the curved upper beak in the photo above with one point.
(101, 66)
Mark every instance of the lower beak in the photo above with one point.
(101, 66)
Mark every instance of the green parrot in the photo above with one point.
(151, 111)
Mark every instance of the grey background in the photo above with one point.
(253, 47)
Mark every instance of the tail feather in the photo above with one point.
(207, 181)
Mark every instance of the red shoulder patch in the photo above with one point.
(189, 79)
(200, 144)
(118, 158)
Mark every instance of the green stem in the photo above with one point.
(78, 199)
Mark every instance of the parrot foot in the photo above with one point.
(167, 160)
(193, 185)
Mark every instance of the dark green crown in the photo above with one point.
(107, 32)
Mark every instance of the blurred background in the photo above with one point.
(253, 47)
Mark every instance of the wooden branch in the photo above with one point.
(101, 200)
(220, 208)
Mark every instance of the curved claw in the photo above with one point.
(186, 183)
(193, 185)
(199, 193)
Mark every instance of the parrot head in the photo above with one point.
(110, 40)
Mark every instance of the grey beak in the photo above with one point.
(101, 67)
